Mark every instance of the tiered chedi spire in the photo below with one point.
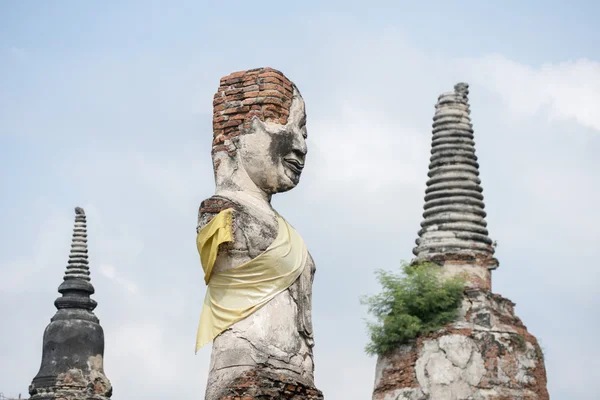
(454, 225)
(486, 352)
(73, 348)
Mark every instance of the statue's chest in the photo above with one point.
(254, 234)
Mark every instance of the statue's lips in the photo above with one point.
(294, 165)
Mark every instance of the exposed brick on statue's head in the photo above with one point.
(264, 93)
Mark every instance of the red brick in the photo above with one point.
(250, 81)
(272, 93)
(250, 94)
(272, 79)
(233, 122)
(271, 107)
(236, 110)
(272, 86)
(272, 100)
(249, 101)
(218, 148)
(254, 113)
(233, 91)
(251, 88)
(236, 74)
(233, 81)
(271, 74)
(238, 96)
(230, 130)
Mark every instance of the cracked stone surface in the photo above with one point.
(475, 358)
(448, 366)
(259, 149)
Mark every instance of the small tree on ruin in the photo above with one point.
(414, 302)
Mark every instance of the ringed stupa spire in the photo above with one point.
(77, 287)
(486, 352)
(454, 225)
(73, 347)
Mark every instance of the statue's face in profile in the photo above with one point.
(273, 155)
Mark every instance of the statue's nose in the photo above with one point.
(299, 144)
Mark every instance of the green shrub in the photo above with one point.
(520, 342)
(417, 301)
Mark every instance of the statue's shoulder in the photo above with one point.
(216, 204)
(211, 207)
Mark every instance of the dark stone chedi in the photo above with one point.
(73, 349)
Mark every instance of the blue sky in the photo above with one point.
(108, 106)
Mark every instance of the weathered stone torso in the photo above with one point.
(279, 335)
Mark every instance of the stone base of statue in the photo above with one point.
(262, 384)
(486, 354)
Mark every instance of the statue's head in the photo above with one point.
(259, 131)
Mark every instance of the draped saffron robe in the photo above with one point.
(234, 294)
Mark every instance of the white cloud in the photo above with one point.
(568, 90)
(47, 252)
(359, 206)
(110, 272)
(363, 145)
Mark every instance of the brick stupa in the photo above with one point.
(487, 354)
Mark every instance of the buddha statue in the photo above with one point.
(258, 273)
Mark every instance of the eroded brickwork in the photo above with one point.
(262, 92)
(487, 354)
(264, 385)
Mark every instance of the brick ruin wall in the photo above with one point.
(262, 92)
(487, 354)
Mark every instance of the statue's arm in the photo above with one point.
(209, 209)
(233, 253)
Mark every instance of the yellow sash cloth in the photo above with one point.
(234, 294)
